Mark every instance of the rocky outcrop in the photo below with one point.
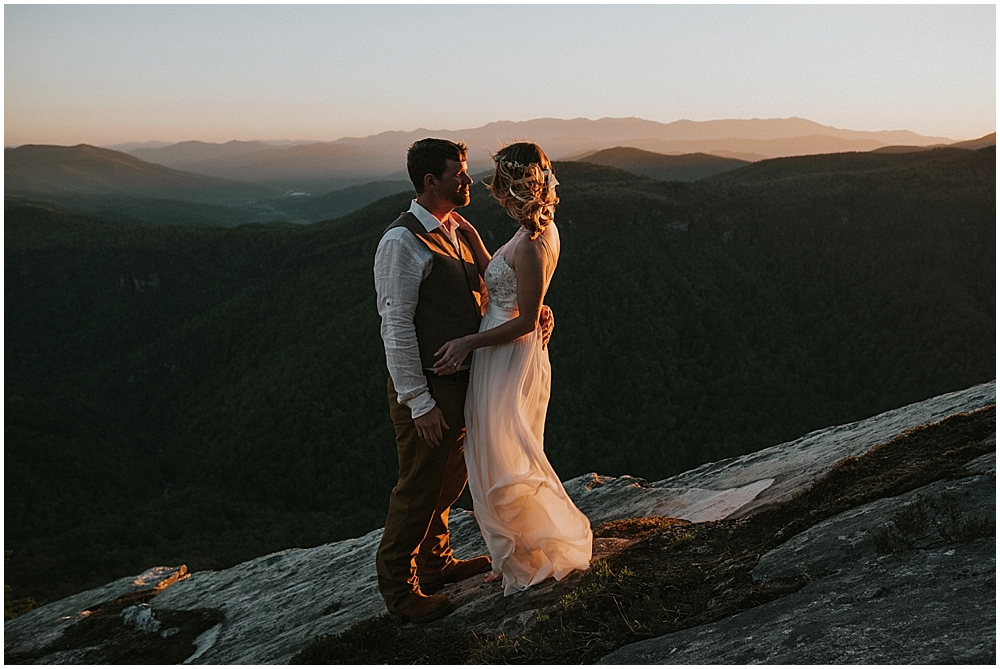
(930, 598)
(931, 515)
(266, 610)
(738, 486)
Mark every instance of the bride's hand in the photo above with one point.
(463, 224)
(451, 355)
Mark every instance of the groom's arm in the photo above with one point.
(399, 269)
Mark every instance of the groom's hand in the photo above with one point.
(431, 426)
(548, 323)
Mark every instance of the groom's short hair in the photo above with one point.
(431, 156)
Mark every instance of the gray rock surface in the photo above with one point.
(276, 604)
(738, 486)
(848, 537)
(933, 602)
(45, 625)
(266, 610)
(604, 498)
(922, 607)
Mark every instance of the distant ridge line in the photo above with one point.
(324, 166)
(780, 127)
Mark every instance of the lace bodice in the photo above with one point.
(500, 279)
(501, 283)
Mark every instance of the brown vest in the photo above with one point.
(449, 298)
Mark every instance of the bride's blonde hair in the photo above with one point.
(521, 185)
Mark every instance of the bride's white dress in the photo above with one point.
(531, 527)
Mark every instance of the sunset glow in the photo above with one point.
(106, 74)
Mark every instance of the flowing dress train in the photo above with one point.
(531, 527)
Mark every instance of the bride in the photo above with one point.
(531, 527)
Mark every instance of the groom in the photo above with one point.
(429, 292)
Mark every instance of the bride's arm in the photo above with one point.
(529, 258)
(483, 256)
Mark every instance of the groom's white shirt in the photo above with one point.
(402, 262)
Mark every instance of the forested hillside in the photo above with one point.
(202, 395)
(688, 167)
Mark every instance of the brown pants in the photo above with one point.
(431, 479)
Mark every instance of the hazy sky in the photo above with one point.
(105, 74)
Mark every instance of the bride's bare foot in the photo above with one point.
(493, 577)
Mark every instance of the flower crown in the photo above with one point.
(510, 164)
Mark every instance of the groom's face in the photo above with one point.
(453, 184)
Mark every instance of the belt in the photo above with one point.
(461, 376)
(499, 312)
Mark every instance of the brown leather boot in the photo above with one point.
(416, 607)
(455, 571)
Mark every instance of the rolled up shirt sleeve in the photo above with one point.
(399, 269)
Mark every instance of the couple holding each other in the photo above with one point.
(457, 420)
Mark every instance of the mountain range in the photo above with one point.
(303, 182)
(320, 166)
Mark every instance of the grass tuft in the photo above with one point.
(637, 528)
(927, 522)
